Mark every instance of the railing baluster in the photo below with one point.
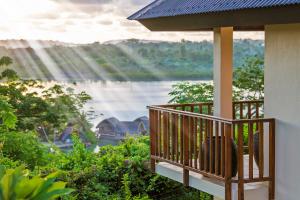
(173, 137)
(155, 118)
(152, 139)
(241, 111)
(261, 150)
(191, 136)
(250, 145)
(211, 147)
(195, 141)
(205, 145)
(200, 108)
(176, 136)
(217, 148)
(165, 135)
(249, 110)
(234, 110)
(272, 159)
(209, 110)
(222, 150)
(181, 139)
(228, 161)
(159, 134)
(257, 109)
(186, 150)
(200, 144)
(240, 162)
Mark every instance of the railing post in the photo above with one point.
(272, 160)
(186, 150)
(228, 160)
(240, 162)
(152, 138)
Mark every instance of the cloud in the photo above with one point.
(105, 21)
(45, 15)
(127, 23)
(81, 21)
(83, 1)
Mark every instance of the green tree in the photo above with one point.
(186, 92)
(27, 105)
(249, 79)
(248, 84)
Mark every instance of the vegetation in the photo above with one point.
(125, 60)
(115, 172)
(249, 79)
(15, 184)
(36, 106)
(248, 84)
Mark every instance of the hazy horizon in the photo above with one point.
(85, 21)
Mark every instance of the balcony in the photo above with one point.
(224, 157)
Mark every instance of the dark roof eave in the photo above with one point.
(241, 20)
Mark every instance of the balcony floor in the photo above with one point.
(215, 187)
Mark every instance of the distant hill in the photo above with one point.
(122, 60)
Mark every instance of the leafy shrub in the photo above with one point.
(16, 185)
(186, 92)
(8, 119)
(77, 159)
(24, 147)
(8, 163)
(119, 172)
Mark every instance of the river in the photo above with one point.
(123, 100)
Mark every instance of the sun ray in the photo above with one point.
(55, 71)
(26, 58)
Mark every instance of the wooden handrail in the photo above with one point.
(206, 103)
(189, 114)
(204, 143)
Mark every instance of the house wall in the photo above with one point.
(282, 101)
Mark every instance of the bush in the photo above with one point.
(119, 172)
(24, 147)
(15, 184)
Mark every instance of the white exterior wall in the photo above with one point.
(282, 101)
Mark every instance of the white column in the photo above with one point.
(223, 56)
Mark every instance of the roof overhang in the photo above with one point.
(241, 20)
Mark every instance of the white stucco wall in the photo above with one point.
(282, 101)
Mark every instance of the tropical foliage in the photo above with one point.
(37, 106)
(113, 173)
(249, 79)
(15, 184)
(248, 84)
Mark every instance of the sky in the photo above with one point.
(85, 21)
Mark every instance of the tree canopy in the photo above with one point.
(248, 84)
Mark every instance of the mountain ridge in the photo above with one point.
(122, 60)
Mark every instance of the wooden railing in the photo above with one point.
(188, 136)
(248, 109)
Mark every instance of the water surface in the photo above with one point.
(123, 100)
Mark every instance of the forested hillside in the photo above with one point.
(124, 60)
